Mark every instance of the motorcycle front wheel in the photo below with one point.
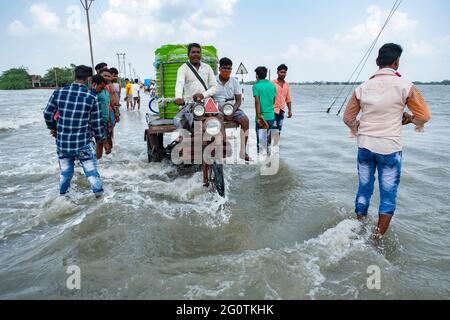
(216, 179)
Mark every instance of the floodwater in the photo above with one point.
(159, 235)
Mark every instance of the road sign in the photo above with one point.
(241, 70)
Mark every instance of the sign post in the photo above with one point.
(241, 71)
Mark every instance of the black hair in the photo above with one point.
(388, 54)
(283, 67)
(261, 72)
(104, 70)
(225, 62)
(127, 79)
(114, 71)
(100, 66)
(194, 45)
(136, 80)
(83, 73)
(98, 79)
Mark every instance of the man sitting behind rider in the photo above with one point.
(189, 86)
(230, 90)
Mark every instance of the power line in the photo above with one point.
(362, 63)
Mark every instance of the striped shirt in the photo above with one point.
(80, 117)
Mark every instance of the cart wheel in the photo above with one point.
(155, 148)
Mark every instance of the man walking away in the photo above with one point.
(80, 119)
(129, 93)
(283, 97)
(264, 93)
(381, 102)
(136, 95)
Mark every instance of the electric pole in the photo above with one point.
(131, 75)
(87, 5)
(122, 65)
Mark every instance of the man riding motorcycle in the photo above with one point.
(196, 81)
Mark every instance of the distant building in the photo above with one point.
(36, 81)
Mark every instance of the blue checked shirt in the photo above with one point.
(80, 117)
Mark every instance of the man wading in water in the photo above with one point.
(80, 119)
(381, 101)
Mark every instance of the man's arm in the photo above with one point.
(416, 103)
(258, 107)
(351, 113)
(212, 84)
(96, 122)
(289, 101)
(50, 111)
(181, 80)
(238, 103)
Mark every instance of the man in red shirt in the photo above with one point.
(283, 97)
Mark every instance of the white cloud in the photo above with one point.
(16, 28)
(44, 21)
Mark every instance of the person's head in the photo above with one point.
(127, 81)
(114, 74)
(282, 71)
(225, 68)
(261, 73)
(100, 66)
(136, 81)
(83, 73)
(98, 83)
(195, 53)
(389, 56)
(106, 74)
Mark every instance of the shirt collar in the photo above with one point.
(386, 72)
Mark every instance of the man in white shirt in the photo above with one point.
(189, 87)
(136, 91)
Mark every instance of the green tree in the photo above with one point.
(59, 77)
(15, 79)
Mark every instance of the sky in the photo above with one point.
(320, 40)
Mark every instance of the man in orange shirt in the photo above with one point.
(283, 97)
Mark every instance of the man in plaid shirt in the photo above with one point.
(78, 120)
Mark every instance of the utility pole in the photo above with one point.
(122, 65)
(87, 5)
(131, 75)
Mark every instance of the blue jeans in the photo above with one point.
(88, 160)
(279, 119)
(389, 171)
(263, 137)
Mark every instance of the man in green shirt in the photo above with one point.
(264, 93)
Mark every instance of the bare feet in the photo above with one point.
(384, 221)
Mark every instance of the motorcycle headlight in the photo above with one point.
(228, 110)
(199, 110)
(213, 127)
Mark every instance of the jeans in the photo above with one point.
(389, 171)
(263, 137)
(279, 119)
(88, 160)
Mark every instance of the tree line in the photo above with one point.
(20, 79)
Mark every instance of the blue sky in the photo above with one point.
(318, 40)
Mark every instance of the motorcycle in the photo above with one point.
(204, 145)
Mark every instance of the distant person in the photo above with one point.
(152, 89)
(189, 87)
(100, 66)
(115, 82)
(129, 93)
(264, 93)
(230, 90)
(115, 94)
(283, 97)
(80, 119)
(136, 94)
(381, 102)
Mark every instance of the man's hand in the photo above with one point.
(198, 97)
(180, 102)
(53, 133)
(107, 147)
(407, 118)
(290, 114)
